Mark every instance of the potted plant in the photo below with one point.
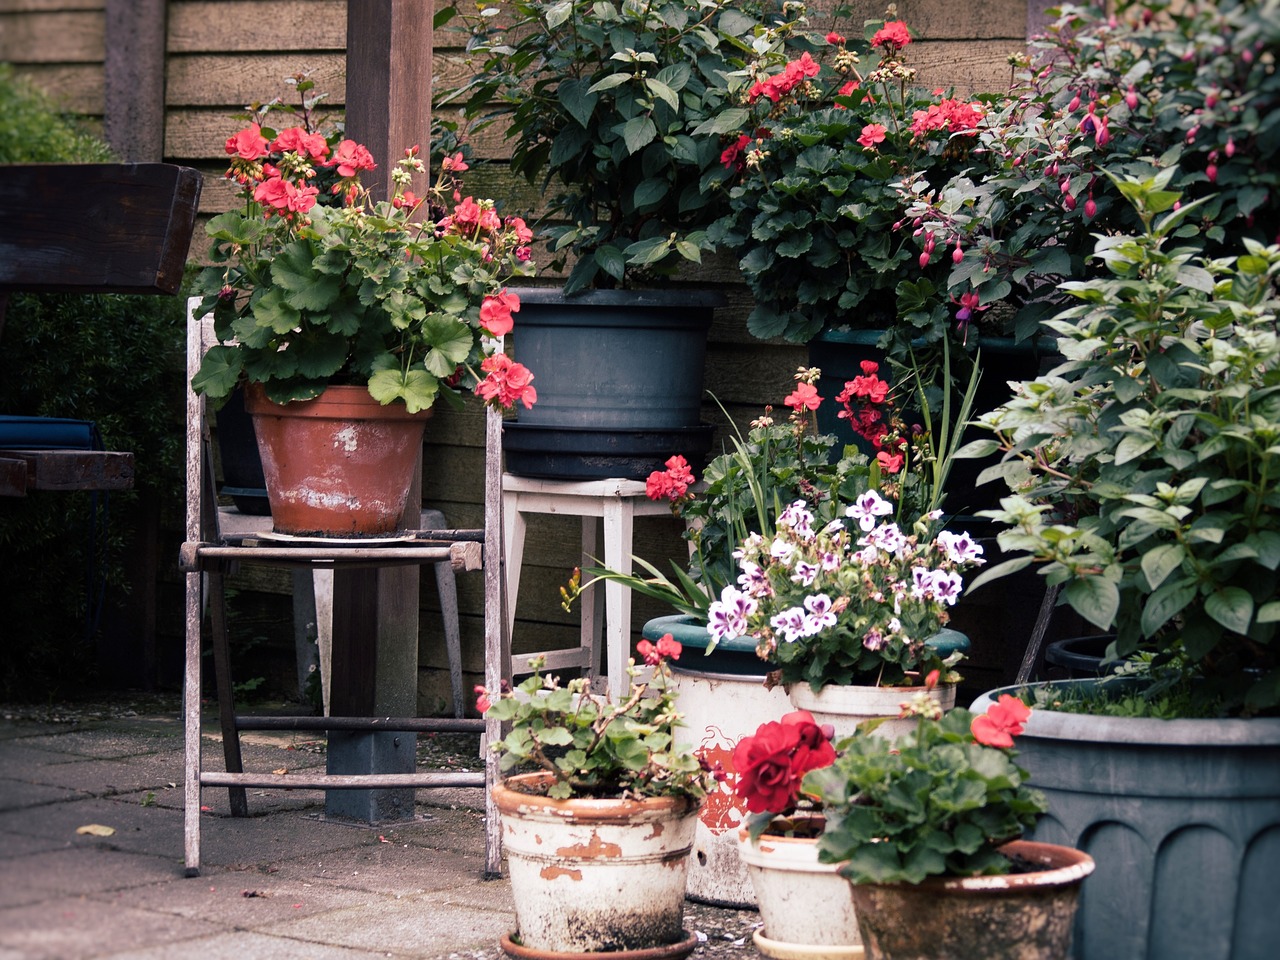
(599, 828)
(927, 829)
(332, 309)
(610, 110)
(1141, 470)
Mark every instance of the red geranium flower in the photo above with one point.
(804, 397)
(495, 312)
(507, 382)
(771, 763)
(1001, 723)
(893, 36)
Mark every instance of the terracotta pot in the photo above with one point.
(1018, 916)
(790, 882)
(844, 707)
(595, 874)
(339, 465)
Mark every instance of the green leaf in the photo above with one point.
(219, 371)
(1166, 603)
(1157, 564)
(650, 192)
(1232, 607)
(1095, 598)
(576, 98)
(663, 93)
(644, 252)
(637, 133)
(609, 82)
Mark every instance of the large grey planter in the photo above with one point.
(1183, 819)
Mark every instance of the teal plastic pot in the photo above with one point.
(1183, 819)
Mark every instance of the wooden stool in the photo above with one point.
(614, 504)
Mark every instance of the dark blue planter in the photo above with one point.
(611, 367)
(1183, 819)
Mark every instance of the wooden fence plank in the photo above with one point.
(54, 37)
(251, 26)
(214, 80)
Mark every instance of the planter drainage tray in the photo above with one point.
(583, 453)
(669, 951)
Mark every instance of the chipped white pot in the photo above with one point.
(806, 906)
(844, 707)
(593, 875)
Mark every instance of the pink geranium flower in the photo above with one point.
(872, 134)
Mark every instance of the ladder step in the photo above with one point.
(332, 781)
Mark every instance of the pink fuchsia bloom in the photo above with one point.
(872, 134)
(282, 194)
(672, 483)
(350, 158)
(667, 648)
(803, 397)
(732, 155)
(893, 36)
(496, 311)
(297, 140)
(1001, 723)
(507, 382)
(248, 144)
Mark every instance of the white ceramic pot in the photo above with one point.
(806, 906)
(594, 875)
(844, 707)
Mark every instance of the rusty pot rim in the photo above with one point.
(337, 402)
(518, 803)
(1064, 867)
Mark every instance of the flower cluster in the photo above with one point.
(314, 282)
(823, 163)
(841, 602)
(771, 763)
(591, 746)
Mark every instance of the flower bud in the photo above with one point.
(924, 260)
(1090, 208)
(957, 254)
(1131, 98)
(1211, 171)
(1230, 148)
(1069, 202)
(1074, 105)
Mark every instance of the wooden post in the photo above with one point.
(375, 612)
(134, 78)
(389, 81)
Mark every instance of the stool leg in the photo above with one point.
(447, 586)
(513, 531)
(226, 694)
(618, 526)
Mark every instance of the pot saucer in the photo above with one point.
(668, 951)
(780, 950)
(319, 541)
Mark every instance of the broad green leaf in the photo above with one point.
(219, 371)
(1232, 607)
(1095, 598)
(1157, 564)
(1166, 603)
(637, 133)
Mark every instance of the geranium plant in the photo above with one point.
(593, 747)
(846, 603)
(770, 766)
(610, 110)
(938, 801)
(315, 283)
(820, 170)
(741, 492)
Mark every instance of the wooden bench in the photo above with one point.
(89, 228)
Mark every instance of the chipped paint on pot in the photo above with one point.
(339, 465)
(1016, 916)
(789, 881)
(595, 874)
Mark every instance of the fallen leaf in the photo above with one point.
(382, 839)
(253, 893)
(281, 771)
(96, 830)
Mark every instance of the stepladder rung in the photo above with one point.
(333, 781)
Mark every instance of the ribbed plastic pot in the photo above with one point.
(1017, 916)
(615, 359)
(722, 698)
(804, 903)
(1183, 819)
(340, 465)
(595, 874)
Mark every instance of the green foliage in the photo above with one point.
(1144, 467)
(816, 209)
(612, 108)
(116, 360)
(1108, 95)
(33, 131)
(931, 803)
(596, 748)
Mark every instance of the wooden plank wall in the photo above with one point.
(222, 54)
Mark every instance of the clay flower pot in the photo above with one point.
(595, 874)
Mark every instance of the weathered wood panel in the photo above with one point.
(70, 36)
(254, 26)
(214, 80)
(76, 87)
